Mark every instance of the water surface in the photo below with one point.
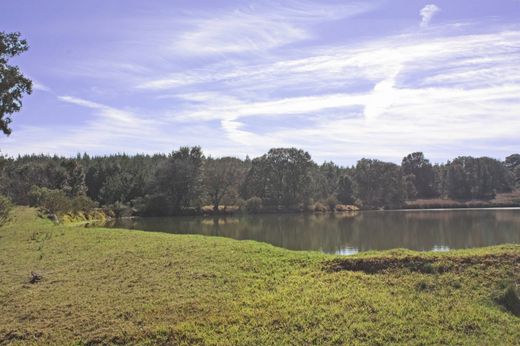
(348, 233)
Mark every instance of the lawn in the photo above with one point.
(106, 286)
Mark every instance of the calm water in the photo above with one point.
(350, 233)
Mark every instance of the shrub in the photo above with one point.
(83, 203)
(320, 207)
(253, 204)
(331, 202)
(53, 201)
(5, 209)
(510, 299)
(121, 210)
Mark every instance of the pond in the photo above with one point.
(349, 233)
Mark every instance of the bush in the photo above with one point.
(253, 205)
(320, 207)
(53, 201)
(510, 299)
(331, 202)
(121, 210)
(83, 203)
(57, 202)
(5, 209)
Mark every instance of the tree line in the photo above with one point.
(282, 179)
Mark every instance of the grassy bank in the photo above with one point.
(501, 200)
(106, 286)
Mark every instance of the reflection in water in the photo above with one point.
(348, 233)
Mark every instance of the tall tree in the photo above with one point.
(512, 163)
(179, 177)
(281, 177)
(13, 84)
(222, 178)
(345, 192)
(379, 184)
(74, 180)
(417, 165)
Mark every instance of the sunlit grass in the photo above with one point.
(118, 286)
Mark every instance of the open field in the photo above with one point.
(105, 286)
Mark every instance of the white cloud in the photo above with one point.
(427, 13)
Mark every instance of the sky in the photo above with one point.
(341, 79)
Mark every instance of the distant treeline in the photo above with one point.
(282, 179)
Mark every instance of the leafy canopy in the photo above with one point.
(13, 84)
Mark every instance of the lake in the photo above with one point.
(349, 233)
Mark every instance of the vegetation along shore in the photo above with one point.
(186, 182)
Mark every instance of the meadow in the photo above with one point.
(72, 285)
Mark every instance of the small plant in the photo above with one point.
(510, 300)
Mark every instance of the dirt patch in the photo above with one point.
(35, 278)
(374, 265)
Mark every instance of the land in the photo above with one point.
(501, 200)
(67, 284)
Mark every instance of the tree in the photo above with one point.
(345, 190)
(512, 163)
(281, 177)
(74, 180)
(424, 177)
(222, 178)
(326, 180)
(379, 184)
(13, 84)
(470, 177)
(179, 177)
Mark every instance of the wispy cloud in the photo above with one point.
(427, 13)
(241, 79)
(259, 27)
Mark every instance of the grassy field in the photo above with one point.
(106, 286)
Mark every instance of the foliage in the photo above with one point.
(331, 202)
(283, 178)
(512, 163)
(13, 84)
(179, 178)
(483, 177)
(222, 179)
(379, 184)
(56, 201)
(510, 299)
(5, 209)
(253, 205)
(98, 284)
(345, 192)
(416, 165)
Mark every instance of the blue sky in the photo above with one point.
(341, 79)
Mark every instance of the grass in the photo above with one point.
(106, 286)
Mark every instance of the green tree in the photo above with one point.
(74, 180)
(345, 192)
(424, 177)
(13, 84)
(379, 184)
(512, 163)
(222, 179)
(179, 178)
(281, 177)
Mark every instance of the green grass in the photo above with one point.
(106, 286)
